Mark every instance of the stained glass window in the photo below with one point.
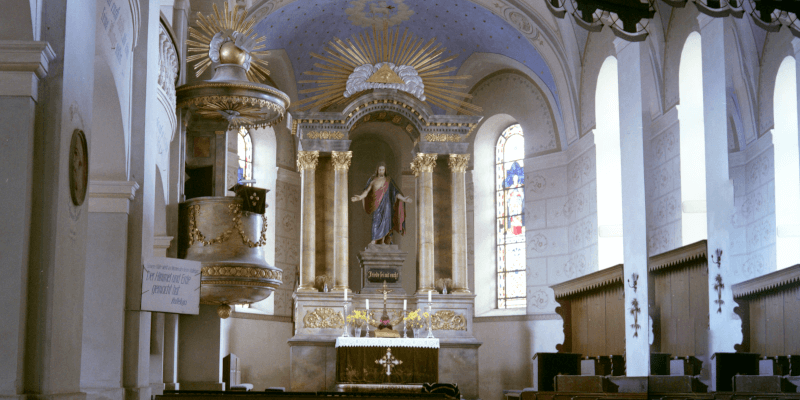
(245, 149)
(510, 205)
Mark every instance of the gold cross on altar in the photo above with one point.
(388, 361)
(385, 291)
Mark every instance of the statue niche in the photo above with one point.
(384, 201)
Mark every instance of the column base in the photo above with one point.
(424, 291)
(341, 289)
(461, 291)
(307, 289)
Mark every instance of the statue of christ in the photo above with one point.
(385, 202)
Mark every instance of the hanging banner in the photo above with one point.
(171, 285)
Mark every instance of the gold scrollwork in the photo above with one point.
(447, 320)
(235, 211)
(323, 318)
(458, 162)
(341, 160)
(423, 162)
(325, 135)
(241, 272)
(307, 160)
(442, 137)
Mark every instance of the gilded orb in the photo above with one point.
(224, 311)
(230, 54)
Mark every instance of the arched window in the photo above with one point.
(245, 150)
(510, 203)
(692, 142)
(787, 166)
(609, 168)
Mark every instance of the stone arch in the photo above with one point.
(407, 107)
(513, 93)
(481, 65)
(109, 147)
(778, 46)
(599, 46)
(682, 23)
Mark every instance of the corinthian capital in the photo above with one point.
(341, 160)
(458, 162)
(423, 162)
(307, 160)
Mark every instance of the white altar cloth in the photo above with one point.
(387, 342)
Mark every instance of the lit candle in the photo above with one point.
(404, 304)
(429, 295)
(367, 304)
(345, 295)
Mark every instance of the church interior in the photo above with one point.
(529, 199)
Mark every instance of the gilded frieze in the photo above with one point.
(324, 317)
(448, 320)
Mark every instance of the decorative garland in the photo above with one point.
(235, 211)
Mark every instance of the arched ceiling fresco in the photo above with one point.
(461, 26)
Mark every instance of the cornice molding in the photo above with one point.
(772, 281)
(111, 196)
(595, 280)
(22, 64)
(681, 255)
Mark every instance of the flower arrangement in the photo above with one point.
(416, 318)
(357, 318)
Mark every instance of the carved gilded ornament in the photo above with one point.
(241, 272)
(325, 135)
(323, 318)
(423, 162)
(458, 162)
(442, 137)
(341, 160)
(235, 211)
(307, 160)
(447, 320)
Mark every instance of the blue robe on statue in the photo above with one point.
(387, 211)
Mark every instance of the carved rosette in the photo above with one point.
(324, 317)
(423, 162)
(448, 320)
(341, 160)
(458, 162)
(307, 160)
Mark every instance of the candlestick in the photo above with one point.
(404, 304)
(367, 304)
(346, 325)
(429, 295)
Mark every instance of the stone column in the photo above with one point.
(23, 64)
(423, 169)
(724, 325)
(307, 164)
(634, 210)
(458, 165)
(341, 164)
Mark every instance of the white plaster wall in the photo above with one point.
(662, 185)
(263, 351)
(505, 364)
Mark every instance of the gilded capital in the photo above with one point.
(341, 160)
(307, 160)
(458, 162)
(423, 162)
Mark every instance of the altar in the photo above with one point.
(363, 360)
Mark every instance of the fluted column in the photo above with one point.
(458, 165)
(307, 164)
(341, 164)
(423, 169)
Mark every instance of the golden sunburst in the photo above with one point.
(233, 39)
(388, 46)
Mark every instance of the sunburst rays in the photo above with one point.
(343, 56)
(228, 22)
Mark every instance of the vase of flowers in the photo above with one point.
(357, 319)
(415, 320)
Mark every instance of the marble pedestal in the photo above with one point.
(382, 262)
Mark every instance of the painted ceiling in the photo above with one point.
(461, 26)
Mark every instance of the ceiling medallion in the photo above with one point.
(226, 43)
(628, 19)
(386, 60)
(771, 15)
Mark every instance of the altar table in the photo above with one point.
(355, 360)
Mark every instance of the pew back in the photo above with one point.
(593, 310)
(678, 295)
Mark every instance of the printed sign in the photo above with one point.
(390, 275)
(171, 285)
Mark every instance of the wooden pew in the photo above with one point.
(769, 306)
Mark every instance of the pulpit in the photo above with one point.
(358, 360)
